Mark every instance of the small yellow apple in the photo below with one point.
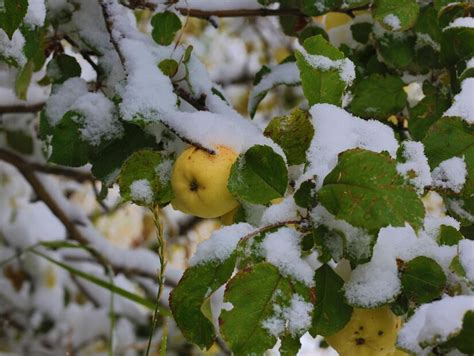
(199, 182)
(369, 332)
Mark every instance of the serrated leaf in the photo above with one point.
(427, 111)
(144, 166)
(11, 15)
(378, 97)
(165, 25)
(258, 176)
(451, 137)
(365, 190)
(423, 279)
(20, 141)
(186, 300)
(107, 163)
(396, 15)
(449, 236)
(63, 67)
(68, 147)
(331, 312)
(251, 292)
(321, 84)
(293, 133)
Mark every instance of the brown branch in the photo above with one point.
(21, 108)
(269, 227)
(108, 25)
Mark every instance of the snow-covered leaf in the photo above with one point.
(11, 15)
(396, 15)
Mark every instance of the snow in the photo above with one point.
(163, 170)
(36, 13)
(206, 5)
(345, 66)
(283, 211)
(450, 174)
(211, 130)
(376, 282)
(463, 105)
(286, 73)
(100, 122)
(457, 206)
(434, 323)
(393, 21)
(282, 249)
(415, 163)
(12, 48)
(221, 244)
(466, 257)
(432, 224)
(461, 22)
(296, 317)
(336, 131)
(62, 97)
(140, 190)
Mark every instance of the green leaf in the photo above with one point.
(451, 137)
(23, 80)
(423, 279)
(305, 196)
(449, 236)
(396, 15)
(252, 292)
(361, 31)
(331, 312)
(189, 295)
(290, 345)
(378, 97)
(165, 25)
(293, 133)
(398, 52)
(427, 24)
(34, 47)
(63, 67)
(109, 160)
(258, 176)
(427, 111)
(457, 43)
(311, 31)
(456, 267)
(401, 305)
(169, 67)
(463, 341)
(145, 165)
(104, 284)
(365, 190)
(320, 7)
(68, 147)
(11, 15)
(321, 84)
(20, 141)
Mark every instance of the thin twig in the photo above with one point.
(108, 25)
(31, 108)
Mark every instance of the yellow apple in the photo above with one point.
(369, 332)
(199, 182)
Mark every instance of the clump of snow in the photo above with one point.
(163, 170)
(211, 130)
(377, 282)
(62, 97)
(221, 244)
(463, 105)
(466, 257)
(284, 211)
(36, 13)
(393, 21)
(296, 317)
(345, 66)
(457, 206)
(432, 224)
(140, 190)
(415, 164)
(358, 242)
(286, 73)
(461, 22)
(12, 48)
(450, 174)
(336, 131)
(282, 249)
(434, 323)
(99, 118)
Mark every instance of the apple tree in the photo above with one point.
(342, 176)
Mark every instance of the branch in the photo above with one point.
(32, 108)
